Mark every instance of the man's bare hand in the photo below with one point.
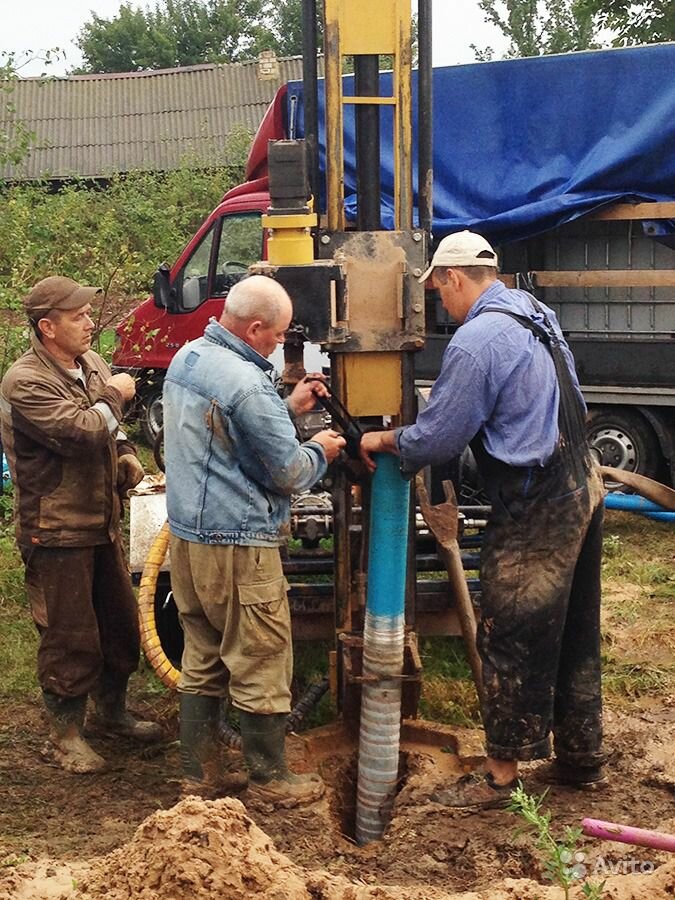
(303, 397)
(123, 383)
(331, 441)
(376, 442)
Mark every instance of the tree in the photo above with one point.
(188, 32)
(536, 28)
(635, 23)
(16, 139)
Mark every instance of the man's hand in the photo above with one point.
(304, 394)
(124, 383)
(129, 473)
(376, 442)
(331, 441)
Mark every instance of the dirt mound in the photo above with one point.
(202, 850)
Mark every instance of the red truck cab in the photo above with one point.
(227, 242)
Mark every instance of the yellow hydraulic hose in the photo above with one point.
(167, 673)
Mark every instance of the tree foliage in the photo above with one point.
(188, 32)
(535, 28)
(113, 237)
(16, 139)
(635, 23)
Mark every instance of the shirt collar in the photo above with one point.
(218, 334)
(488, 295)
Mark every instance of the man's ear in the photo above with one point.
(46, 328)
(253, 328)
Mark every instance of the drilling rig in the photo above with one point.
(356, 293)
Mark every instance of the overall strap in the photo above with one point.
(573, 442)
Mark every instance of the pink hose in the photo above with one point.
(626, 834)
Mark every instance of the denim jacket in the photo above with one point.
(232, 457)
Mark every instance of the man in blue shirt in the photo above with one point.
(507, 386)
(232, 462)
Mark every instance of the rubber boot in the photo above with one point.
(208, 770)
(264, 745)
(113, 717)
(65, 745)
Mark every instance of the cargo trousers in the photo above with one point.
(233, 606)
(539, 634)
(85, 610)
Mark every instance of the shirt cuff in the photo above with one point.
(107, 414)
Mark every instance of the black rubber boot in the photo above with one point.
(264, 745)
(66, 747)
(113, 717)
(208, 772)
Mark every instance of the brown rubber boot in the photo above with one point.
(209, 771)
(270, 780)
(113, 718)
(65, 746)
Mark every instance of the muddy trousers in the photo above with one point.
(85, 610)
(539, 635)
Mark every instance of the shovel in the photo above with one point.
(442, 521)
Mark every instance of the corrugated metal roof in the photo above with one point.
(95, 125)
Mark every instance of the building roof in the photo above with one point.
(95, 125)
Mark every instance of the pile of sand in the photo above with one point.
(200, 850)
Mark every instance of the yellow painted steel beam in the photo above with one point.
(373, 384)
(353, 28)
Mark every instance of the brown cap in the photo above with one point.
(57, 292)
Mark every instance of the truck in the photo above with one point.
(565, 163)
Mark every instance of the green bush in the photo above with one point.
(113, 236)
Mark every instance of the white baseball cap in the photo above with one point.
(464, 248)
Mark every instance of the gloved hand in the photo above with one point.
(129, 473)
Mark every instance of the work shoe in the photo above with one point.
(475, 791)
(112, 717)
(209, 771)
(65, 746)
(270, 780)
(584, 778)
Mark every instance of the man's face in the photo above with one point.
(70, 330)
(266, 338)
(448, 288)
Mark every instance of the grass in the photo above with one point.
(638, 617)
(18, 634)
(638, 627)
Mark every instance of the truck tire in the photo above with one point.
(151, 416)
(625, 440)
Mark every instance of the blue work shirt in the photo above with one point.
(496, 379)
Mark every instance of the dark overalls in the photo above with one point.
(539, 634)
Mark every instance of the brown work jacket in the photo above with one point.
(62, 457)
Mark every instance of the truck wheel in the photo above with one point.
(624, 440)
(152, 413)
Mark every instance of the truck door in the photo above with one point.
(200, 280)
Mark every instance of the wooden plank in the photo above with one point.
(600, 278)
(636, 211)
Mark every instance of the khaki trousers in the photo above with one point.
(234, 611)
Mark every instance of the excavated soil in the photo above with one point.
(122, 836)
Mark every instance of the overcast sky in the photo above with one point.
(32, 26)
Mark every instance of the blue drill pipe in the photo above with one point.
(635, 503)
(383, 648)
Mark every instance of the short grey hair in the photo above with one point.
(475, 273)
(256, 297)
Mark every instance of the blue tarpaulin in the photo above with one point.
(523, 145)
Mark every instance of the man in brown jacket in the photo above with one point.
(71, 465)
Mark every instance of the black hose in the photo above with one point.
(231, 737)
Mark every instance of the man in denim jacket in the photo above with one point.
(232, 462)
